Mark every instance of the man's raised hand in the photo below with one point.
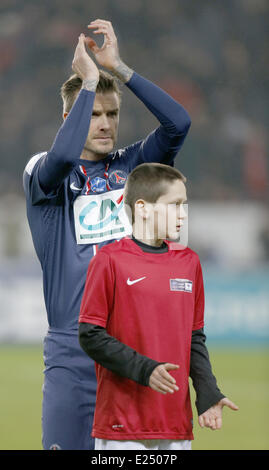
(108, 54)
(83, 65)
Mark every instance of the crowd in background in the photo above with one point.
(210, 56)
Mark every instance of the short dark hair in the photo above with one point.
(149, 181)
(70, 88)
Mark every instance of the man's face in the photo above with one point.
(104, 124)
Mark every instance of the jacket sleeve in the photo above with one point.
(45, 172)
(204, 382)
(163, 143)
(114, 355)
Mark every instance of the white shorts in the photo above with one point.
(148, 444)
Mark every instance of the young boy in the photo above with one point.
(141, 320)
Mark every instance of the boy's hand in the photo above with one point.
(160, 379)
(212, 418)
(82, 63)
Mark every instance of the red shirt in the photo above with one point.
(152, 303)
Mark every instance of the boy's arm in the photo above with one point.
(204, 382)
(125, 361)
(109, 352)
(209, 399)
(96, 304)
(114, 355)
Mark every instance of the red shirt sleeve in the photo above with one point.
(98, 293)
(198, 320)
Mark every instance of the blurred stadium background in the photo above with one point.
(213, 58)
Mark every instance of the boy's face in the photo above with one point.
(169, 212)
(163, 218)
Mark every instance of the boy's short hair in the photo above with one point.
(149, 181)
(70, 88)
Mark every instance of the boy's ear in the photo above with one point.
(141, 209)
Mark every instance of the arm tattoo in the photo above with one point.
(89, 84)
(123, 72)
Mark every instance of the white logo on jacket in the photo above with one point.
(101, 217)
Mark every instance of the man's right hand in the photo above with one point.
(160, 379)
(82, 63)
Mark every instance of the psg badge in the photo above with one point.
(118, 177)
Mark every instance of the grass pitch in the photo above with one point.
(243, 375)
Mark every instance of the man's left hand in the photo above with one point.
(107, 55)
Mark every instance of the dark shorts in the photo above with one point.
(68, 393)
